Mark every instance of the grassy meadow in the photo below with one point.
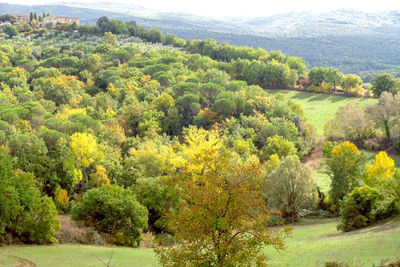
(320, 108)
(311, 243)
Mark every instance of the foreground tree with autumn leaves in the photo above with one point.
(222, 218)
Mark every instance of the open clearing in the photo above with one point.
(320, 108)
(311, 243)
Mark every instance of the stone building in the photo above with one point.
(59, 19)
(22, 17)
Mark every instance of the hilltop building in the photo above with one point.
(22, 17)
(47, 19)
(59, 19)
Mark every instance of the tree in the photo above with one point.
(10, 30)
(328, 75)
(383, 83)
(289, 187)
(221, 220)
(296, 63)
(113, 210)
(351, 123)
(24, 213)
(85, 150)
(101, 21)
(350, 81)
(343, 165)
(158, 199)
(386, 112)
(380, 172)
(110, 38)
(155, 36)
(317, 75)
(279, 146)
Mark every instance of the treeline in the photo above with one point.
(255, 66)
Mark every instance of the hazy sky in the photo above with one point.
(244, 7)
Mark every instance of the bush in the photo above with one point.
(358, 209)
(115, 211)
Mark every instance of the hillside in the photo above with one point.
(353, 41)
(116, 135)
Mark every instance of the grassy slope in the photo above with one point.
(320, 108)
(310, 244)
(314, 243)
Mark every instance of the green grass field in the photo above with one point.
(315, 242)
(311, 243)
(76, 255)
(320, 108)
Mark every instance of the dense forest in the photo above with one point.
(130, 131)
(354, 42)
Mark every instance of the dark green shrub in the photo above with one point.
(336, 264)
(156, 197)
(113, 210)
(358, 209)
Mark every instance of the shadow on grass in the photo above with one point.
(385, 225)
(311, 97)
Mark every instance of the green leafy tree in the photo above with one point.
(113, 210)
(343, 165)
(279, 146)
(350, 81)
(383, 83)
(289, 187)
(24, 213)
(10, 30)
(110, 38)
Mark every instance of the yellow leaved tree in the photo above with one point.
(86, 151)
(221, 219)
(380, 172)
(100, 177)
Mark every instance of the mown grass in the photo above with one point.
(316, 242)
(77, 255)
(311, 243)
(320, 108)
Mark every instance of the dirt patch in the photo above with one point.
(314, 161)
(23, 262)
(72, 232)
